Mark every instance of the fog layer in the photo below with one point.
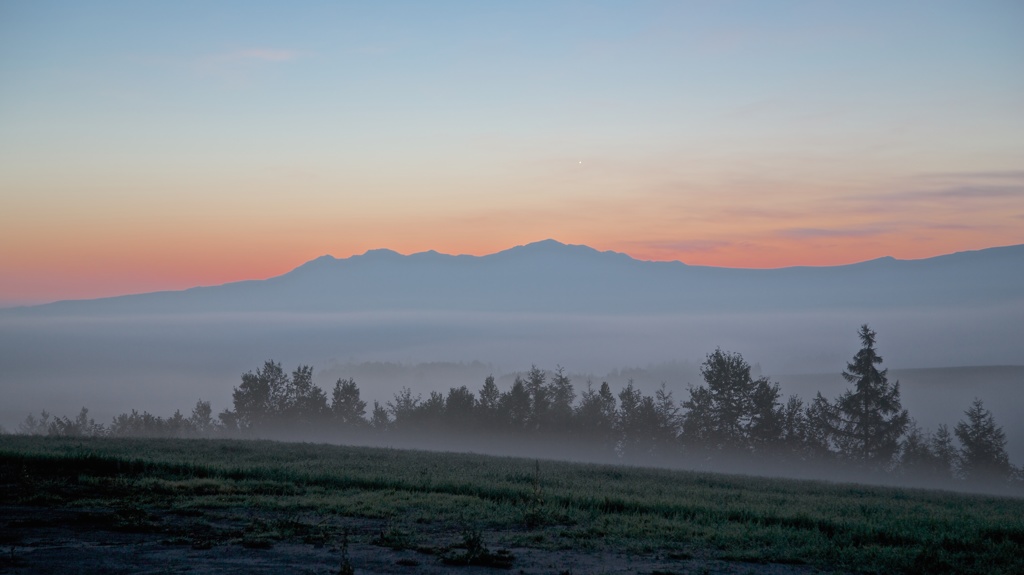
(162, 363)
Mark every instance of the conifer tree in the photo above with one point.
(983, 457)
(488, 406)
(489, 396)
(869, 420)
(668, 421)
(380, 420)
(946, 453)
(918, 459)
(595, 418)
(459, 408)
(514, 406)
(540, 398)
(561, 396)
(637, 422)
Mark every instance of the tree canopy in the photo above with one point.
(733, 414)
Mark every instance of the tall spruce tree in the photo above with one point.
(869, 420)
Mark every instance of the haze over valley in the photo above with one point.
(430, 322)
(610, 287)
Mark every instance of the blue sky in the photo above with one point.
(753, 134)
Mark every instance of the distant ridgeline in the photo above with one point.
(731, 423)
(549, 276)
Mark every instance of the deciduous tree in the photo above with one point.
(347, 409)
(734, 411)
(259, 398)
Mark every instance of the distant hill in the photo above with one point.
(549, 276)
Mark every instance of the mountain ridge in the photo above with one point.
(550, 276)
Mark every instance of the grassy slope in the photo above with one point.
(552, 504)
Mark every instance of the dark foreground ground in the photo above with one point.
(102, 540)
(101, 505)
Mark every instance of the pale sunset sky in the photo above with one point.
(161, 145)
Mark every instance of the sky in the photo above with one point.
(161, 145)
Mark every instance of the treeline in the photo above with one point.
(732, 417)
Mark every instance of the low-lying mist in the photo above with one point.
(162, 363)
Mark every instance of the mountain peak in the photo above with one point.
(542, 246)
(546, 244)
(381, 253)
(549, 246)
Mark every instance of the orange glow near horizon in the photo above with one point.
(106, 243)
(152, 150)
(100, 245)
(122, 265)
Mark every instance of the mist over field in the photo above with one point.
(164, 351)
(561, 286)
(159, 364)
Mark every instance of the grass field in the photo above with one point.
(286, 492)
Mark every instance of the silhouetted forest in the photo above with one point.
(731, 422)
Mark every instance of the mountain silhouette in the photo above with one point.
(552, 277)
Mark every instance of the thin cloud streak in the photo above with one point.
(806, 233)
(962, 193)
(237, 67)
(685, 246)
(984, 175)
(255, 54)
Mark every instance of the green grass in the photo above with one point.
(546, 505)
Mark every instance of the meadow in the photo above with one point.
(466, 509)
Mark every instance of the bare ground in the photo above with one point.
(69, 541)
